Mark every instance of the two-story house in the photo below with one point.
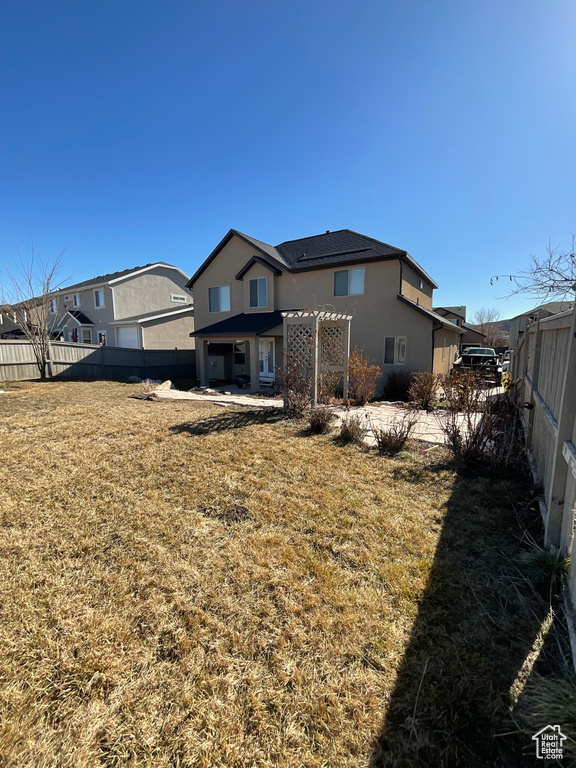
(147, 307)
(244, 285)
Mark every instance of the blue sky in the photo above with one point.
(140, 131)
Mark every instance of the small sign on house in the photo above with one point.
(549, 742)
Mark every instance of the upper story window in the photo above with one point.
(219, 299)
(53, 306)
(72, 300)
(349, 282)
(421, 284)
(258, 292)
(99, 298)
(176, 298)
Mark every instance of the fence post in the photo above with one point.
(534, 378)
(559, 476)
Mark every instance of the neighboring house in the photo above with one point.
(8, 327)
(146, 307)
(457, 315)
(519, 323)
(242, 288)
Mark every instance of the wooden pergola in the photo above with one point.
(320, 341)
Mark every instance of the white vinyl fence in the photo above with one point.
(91, 361)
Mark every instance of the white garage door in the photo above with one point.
(128, 337)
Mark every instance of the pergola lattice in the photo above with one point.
(320, 342)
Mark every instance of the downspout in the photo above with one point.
(401, 275)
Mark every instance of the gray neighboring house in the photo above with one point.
(519, 323)
(146, 307)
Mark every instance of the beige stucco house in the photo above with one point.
(471, 337)
(244, 285)
(146, 307)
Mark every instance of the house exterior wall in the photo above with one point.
(148, 292)
(6, 324)
(446, 346)
(411, 281)
(377, 313)
(169, 333)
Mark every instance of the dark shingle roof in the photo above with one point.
(244, 324)
(430, 314)
(80, 317)
(332, 249)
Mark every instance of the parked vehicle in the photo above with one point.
(483, 361)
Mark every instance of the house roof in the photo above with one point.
(80, 317)
(331, 249)
(244, 324)
(468, 327)
(430, 314)
(552, 307)
(154, 315)
(460, 311)
(117, 276)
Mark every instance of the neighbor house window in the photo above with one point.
(102, 338)
(86, 336)
(73, 299)
(349, 282)
(99, 298)
(53, 306)
(258, 292)
(421, 284)
(395, 350)
(176, 298)
(219, 299)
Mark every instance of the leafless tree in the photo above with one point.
(27, 286)
(486, 321)
(551, 276)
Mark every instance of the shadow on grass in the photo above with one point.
(476, 625)
(230, 420)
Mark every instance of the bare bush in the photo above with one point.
(424, 389)
(352, 430)
(362, 378)
(462, 392)
(327, 384)
(320, 420)
(392, 438)
(295, 377)
(489, 438)
(397, 385)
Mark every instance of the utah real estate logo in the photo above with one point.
(549, 742)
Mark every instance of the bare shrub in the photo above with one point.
(392, 438)
(484, 434)
(320, 420)
(327, 383)
(362, 378)
(424, 389)
(397, 385)
(352, 430)
(462, 392)
(295, 378)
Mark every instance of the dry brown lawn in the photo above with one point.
(182, 585)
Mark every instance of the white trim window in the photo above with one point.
(73, 299)
(219, 299)
(86, 335)
(349, 282)
(102, 338)
(99, 298)
(395, 350)
(259, 292)
(53, 306)
(176, 298)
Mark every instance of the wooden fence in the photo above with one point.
(544, 364)
(91, 361)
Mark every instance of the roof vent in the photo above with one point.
(327, 231)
